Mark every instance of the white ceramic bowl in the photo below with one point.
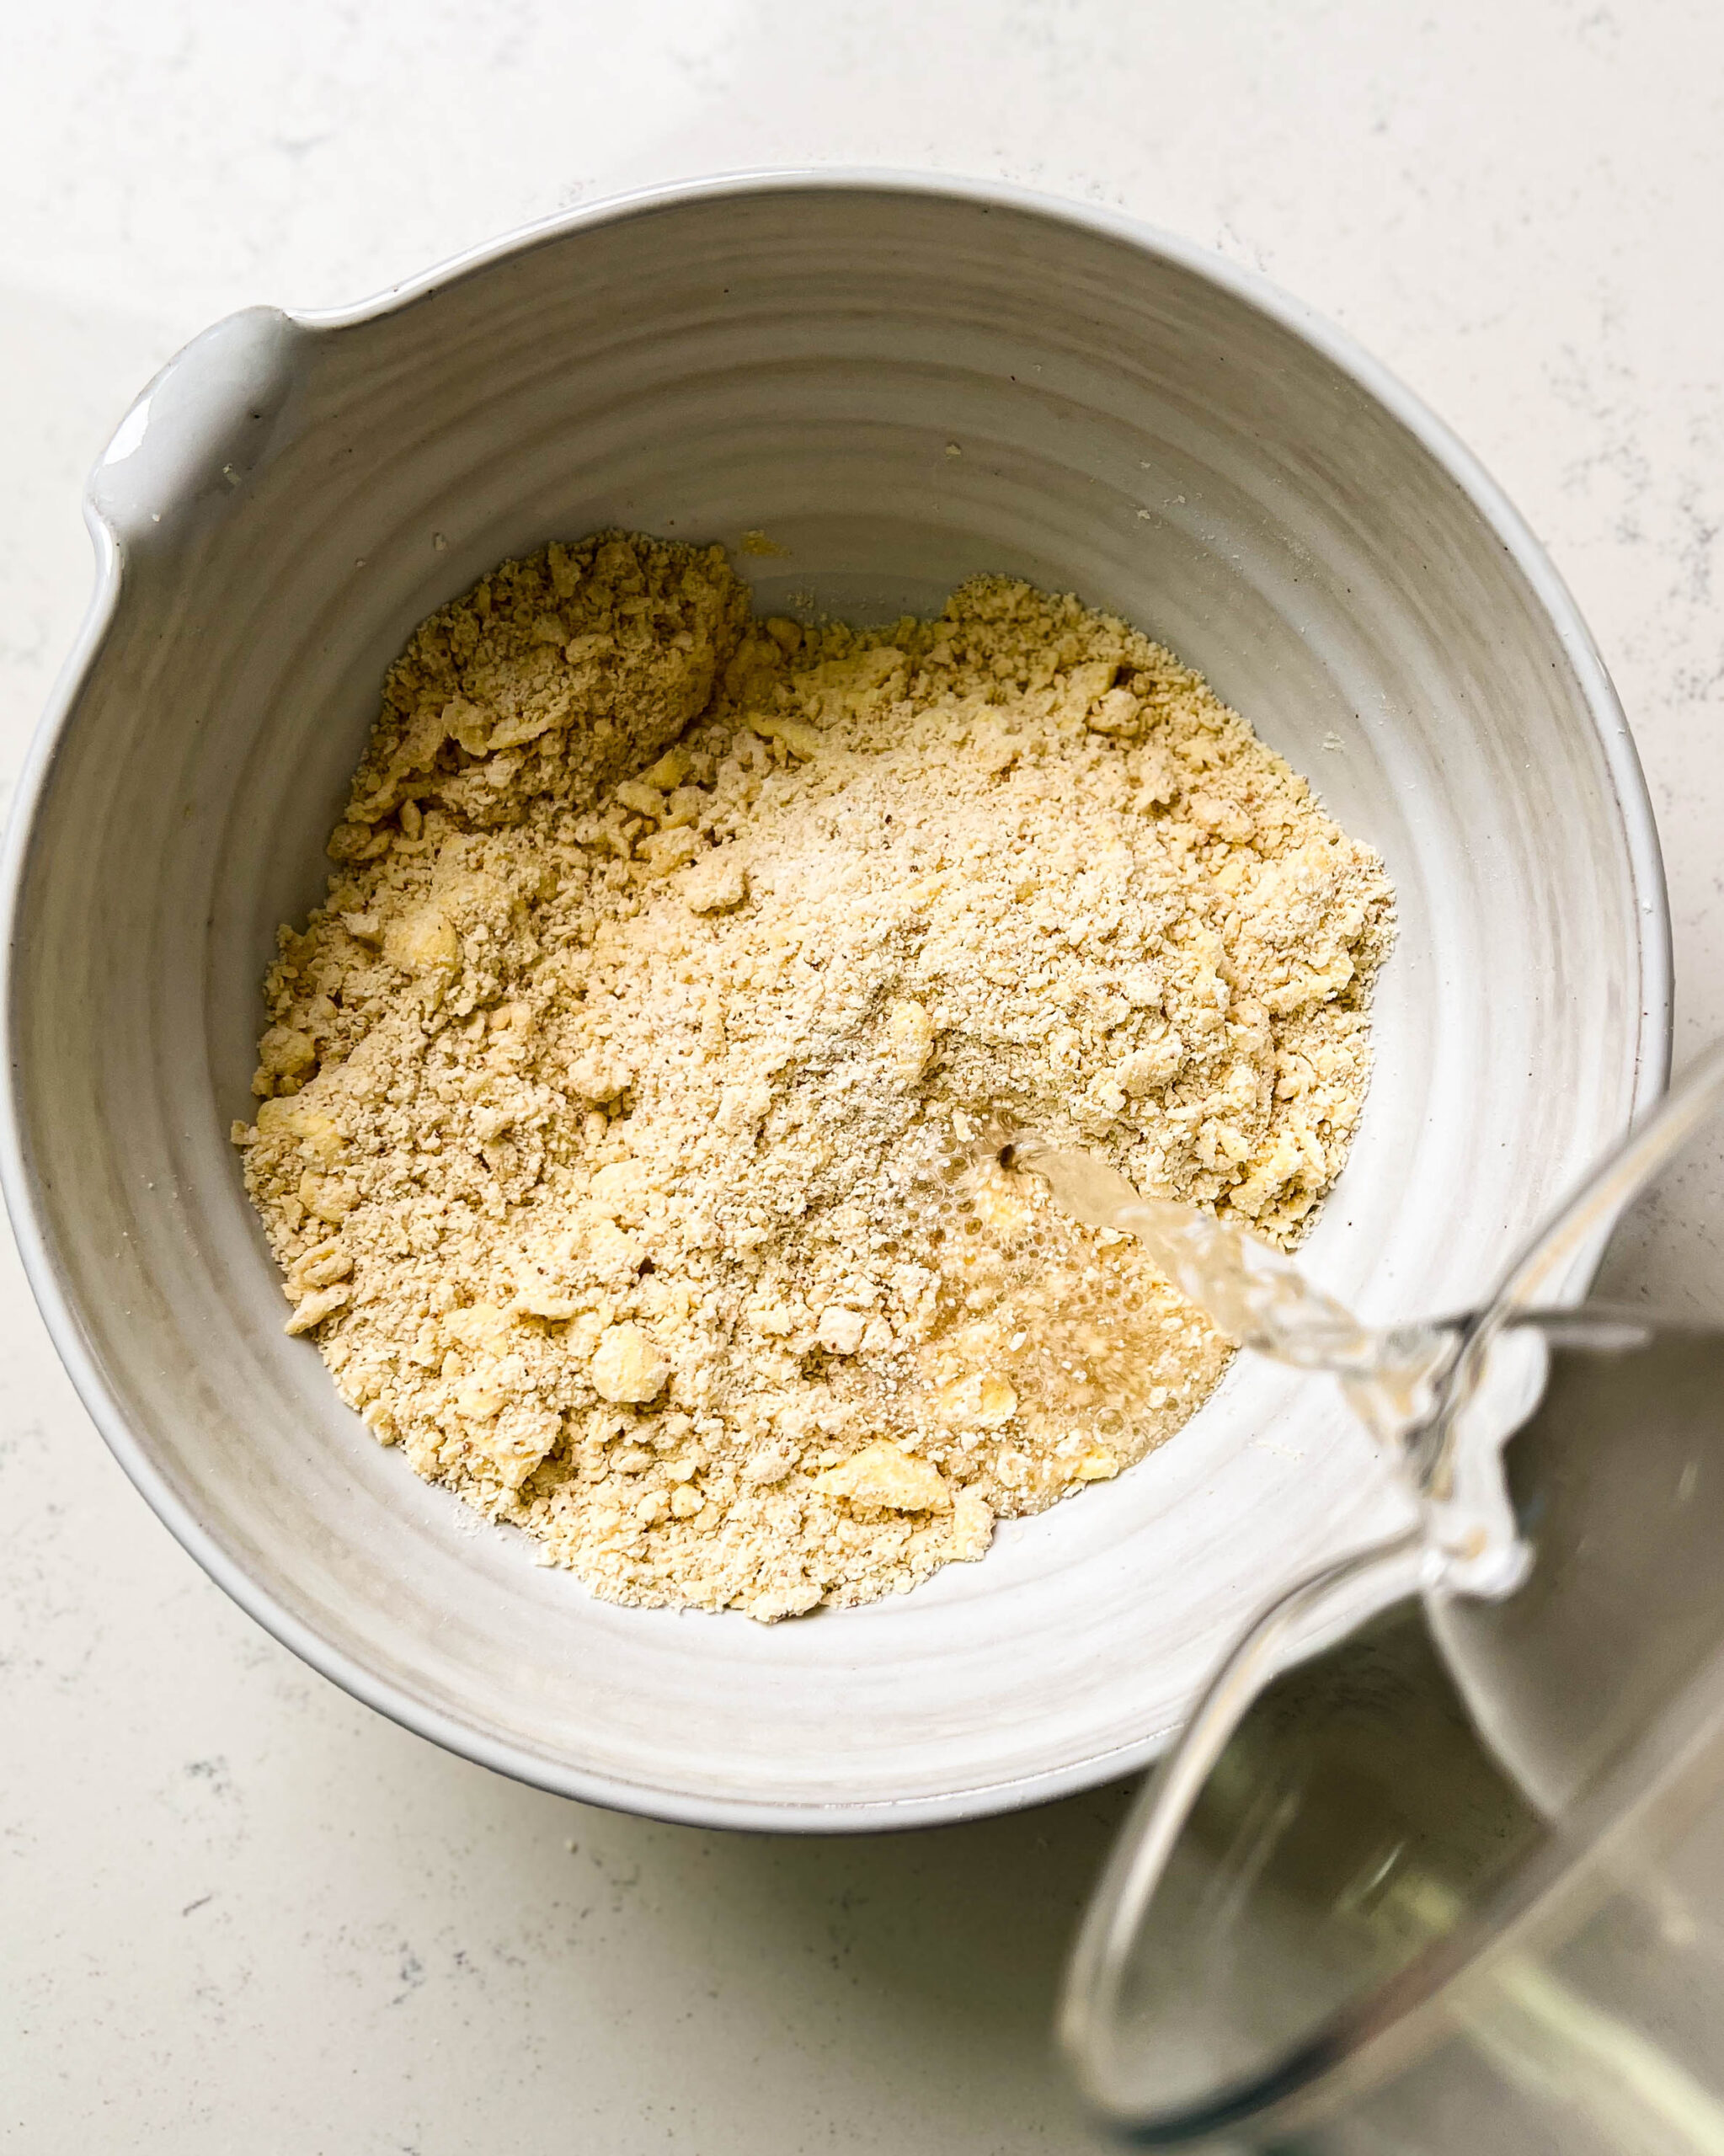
(1137, 421)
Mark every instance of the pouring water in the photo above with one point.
(1547, 1654)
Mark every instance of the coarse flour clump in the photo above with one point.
(618, 1107)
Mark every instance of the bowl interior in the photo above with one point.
(897, 386)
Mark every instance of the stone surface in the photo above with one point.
(241, 1908)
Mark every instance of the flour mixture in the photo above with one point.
(619, 1108)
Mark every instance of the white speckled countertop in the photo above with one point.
(241, 1911)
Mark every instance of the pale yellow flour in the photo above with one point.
(619, 1108)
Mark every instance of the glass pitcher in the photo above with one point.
(1438, 1861)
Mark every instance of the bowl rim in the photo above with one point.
(19, 1183)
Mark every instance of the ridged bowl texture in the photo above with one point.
(794, 354)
